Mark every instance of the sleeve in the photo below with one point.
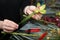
(27, 2)
(23, 4)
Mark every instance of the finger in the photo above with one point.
(29, 11)
(32, 7)
(8, 28)
(34, 17)
(7, 31)
(40, 16)
(10, 23)
(37, 16)
(25, 9)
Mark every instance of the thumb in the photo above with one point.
(29, 9)
(32, 7)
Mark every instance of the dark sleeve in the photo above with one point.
(23, 4)
(27, 2)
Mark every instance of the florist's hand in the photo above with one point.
(9, 26)
(30, 9)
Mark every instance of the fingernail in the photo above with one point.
(17, 26)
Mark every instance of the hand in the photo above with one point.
(29, 9)
(9, 26)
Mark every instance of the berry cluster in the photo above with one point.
(55, 20)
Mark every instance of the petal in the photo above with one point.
(38, 4)
(42, 7)
(43, 11)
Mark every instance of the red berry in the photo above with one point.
(55, 19)
(48, 19)
(45, 18)
(58, 24)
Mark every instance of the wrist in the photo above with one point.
(1, 24)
